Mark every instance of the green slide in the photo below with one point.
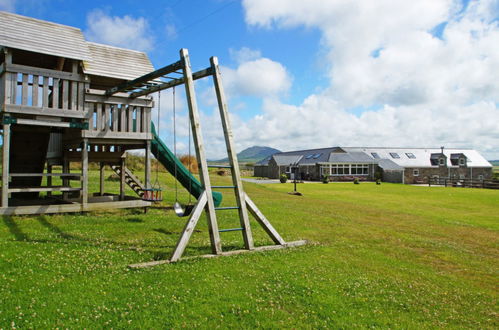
(169, 161)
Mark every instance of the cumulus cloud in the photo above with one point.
(431, 88)
(126, 31)
(255, 75)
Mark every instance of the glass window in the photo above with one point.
(309, 156)
(394, 155)
(415, 172)
(441, 161)
(410, 155)
(480, 177)
(354, 169)
(317, 156)
(462, 161)
(365, 169)
(375, 155)
(334, 170)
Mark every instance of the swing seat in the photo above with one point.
(183, 212)
(152, 195)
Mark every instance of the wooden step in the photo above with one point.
(43, 189)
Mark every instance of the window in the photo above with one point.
(317, 156)
(375, 155)
(415, 172)
(288, 169)
(441, 161)
(480, 177)
(462, 161)
(410, 155)
(309, 156)
(394, 155)
(462, 176)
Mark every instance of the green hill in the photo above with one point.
(253, 154)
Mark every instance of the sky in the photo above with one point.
(316, 73)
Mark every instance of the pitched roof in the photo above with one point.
(350, 157)
(283, 160)
(26, 33)
(389, 165)
(114, 62)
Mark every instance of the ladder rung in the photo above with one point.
(220, 166)
(226, 208)
(230, 229)
(223, 187)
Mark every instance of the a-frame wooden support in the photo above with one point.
(205, 201)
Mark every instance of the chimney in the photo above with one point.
(442, 150)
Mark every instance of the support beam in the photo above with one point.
(175, 82)
(84, 173)
(122, 179)
(145, 78)
(49, 179)
(5, 165)
(147, 176)
(101, 178)
(216, 245)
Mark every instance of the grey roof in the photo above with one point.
(388, 165)
(114, 62)
(350, 157)
(264, 162)
(282, 160)
(457, 155)
(44, 37)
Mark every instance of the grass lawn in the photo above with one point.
(381, 256)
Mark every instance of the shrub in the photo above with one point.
(325, 179)
(377, 175)
(283, 178)
(190, 162)
(378, 181)
(356, 181)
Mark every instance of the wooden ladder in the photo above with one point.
(131, 180)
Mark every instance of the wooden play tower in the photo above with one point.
(63, 100)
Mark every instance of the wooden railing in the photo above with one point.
(36, 91)
(118, 116)
(464, 183)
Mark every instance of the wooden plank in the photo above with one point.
(64, 208)
(34, 91)
(30, 110)
(24, 89)
(96, 98)
(138, 122)
(262, 220)
(37, 122)
(42, 189)
(45, 93)
(129, 119)
(81, 96)
(115, 116)
(117, 135)
(223, 254)
(145, 123)
(48, 174)
(65, 94)
(16, 68)
(13, 88)
(200, 153)
(148, 120)
(147, 174)
(5, 165)
(189, 227)
(3, 77)
(123, 118)
(231, 152)
(55, 93)
(107, 118)
(74, 95)
(91, 110)
(84, 173)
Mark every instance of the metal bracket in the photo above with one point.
(7, 120)
(76, 124)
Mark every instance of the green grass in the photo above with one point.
(380, 256)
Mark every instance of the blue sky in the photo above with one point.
(317, 73)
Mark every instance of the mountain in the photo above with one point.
(253, 154)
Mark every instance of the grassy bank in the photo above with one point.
(388, 255)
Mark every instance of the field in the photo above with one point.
(380, 256)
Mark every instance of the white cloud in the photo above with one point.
(7, 5)
(433, 90)
(126, 31)
(255, 75)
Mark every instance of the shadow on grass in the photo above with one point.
(14, 229)
(167, 232)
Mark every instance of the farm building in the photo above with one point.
(402, 165)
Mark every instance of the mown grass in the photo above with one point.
(380, 256)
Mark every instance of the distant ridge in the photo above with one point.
(494, 162)
(252, 154)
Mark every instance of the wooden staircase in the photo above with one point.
(131, 180)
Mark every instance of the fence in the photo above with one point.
(464, 183)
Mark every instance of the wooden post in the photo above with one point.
(49, 179)
(5, 165)
(216, 245)
(236, 176)
(65, 169)
(101, 183)
(147, 177)
(122, 178)
(84, 173)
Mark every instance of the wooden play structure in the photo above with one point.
(63, 100)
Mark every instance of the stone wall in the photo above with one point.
(446, 172)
